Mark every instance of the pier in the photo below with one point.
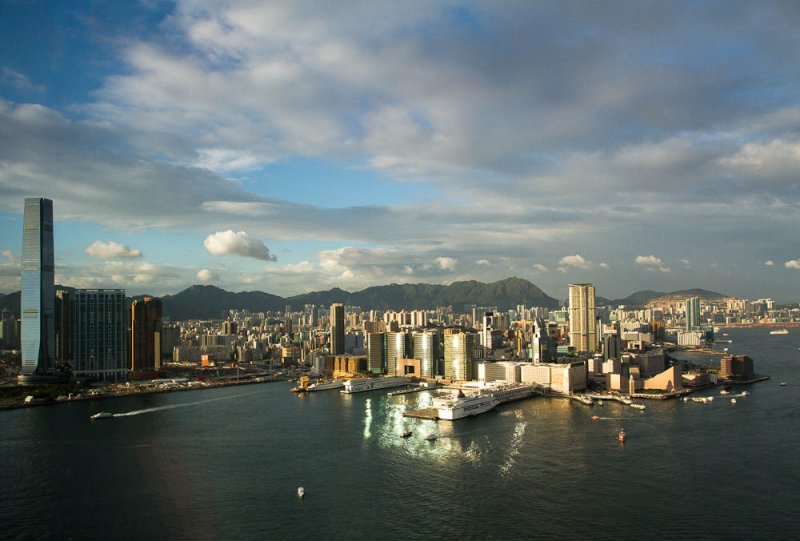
(430, 414)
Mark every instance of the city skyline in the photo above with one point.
(296, 147)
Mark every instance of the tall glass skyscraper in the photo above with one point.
(38, 289)
(582, 324)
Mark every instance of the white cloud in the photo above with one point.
(769, 263)
(483, 263)
(9, 255)
(447, 263)
(408, 269)
(577, 261)
(652, 262)
(205, 276)
(111, 250)
(686, 263)
(793, 264)
(539, 267)
(604, 266)
(237, 243)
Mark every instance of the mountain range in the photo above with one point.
(210, 302)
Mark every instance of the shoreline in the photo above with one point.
(133, 391)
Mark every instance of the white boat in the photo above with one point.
(733, 401)
(779, 331)
(459, 406)
(325, 385)
(359, 385)
(638, 406)
(782, 384)
(102, 415)
(301, 492)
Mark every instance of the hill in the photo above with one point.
(648, 297)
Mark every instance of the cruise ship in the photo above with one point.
(371, 384)
(511, 392)
(325, 385)
(459, 406)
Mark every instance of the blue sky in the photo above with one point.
(296, 146)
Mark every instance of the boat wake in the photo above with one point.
(173, 406)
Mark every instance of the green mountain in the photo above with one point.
(10, 302)
(208, 302)
(643, 298)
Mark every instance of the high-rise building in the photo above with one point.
(427, 349)
(337, 329)
(97, 337)
(540, 342)
(395, 350)
(582, 326)
(146, 334)
(376, 352)
(692, 313)
(459, 352)
(38, 289)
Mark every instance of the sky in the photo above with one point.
(296, 146)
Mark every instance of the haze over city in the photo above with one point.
(296, 146)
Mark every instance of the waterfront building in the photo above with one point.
(376, 352)
(38, 296)
(459, 353)
(670, 380)
(395, 351)
(337, 329)
(427, 349)
(146, 326)
(540, 342)
(99, 323)
(560, 378)
(735, 366)
(582, 326)
(692, 313)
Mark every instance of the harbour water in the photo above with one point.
(226, 463)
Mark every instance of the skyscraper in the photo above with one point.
(459, 352)
(99, 323)
(692, 313)
(146, 334)
(337, 329)
(427, 349)
(38, 289)
(582, 327)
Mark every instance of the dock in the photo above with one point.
(430, 414)
(409, 390)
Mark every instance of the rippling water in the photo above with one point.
(226, 463)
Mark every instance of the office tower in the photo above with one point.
(64, 325)
(395, 350)
(612, 342)
(459, 352)
(337, 329)
(427, 349)
(692, 313)
(146, 334)
(582, 327)
(38, 289)
(376, 352)
(540, 342)
(97, 337)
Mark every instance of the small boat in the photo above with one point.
(595, 417)
(431, 437)
(407, 434)
(621, 435)
(724, 392)
(779, 331)
(638, 406)
(102, 415)
(301, 492)
(782, 384)
(733, 401)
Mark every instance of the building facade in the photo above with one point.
(98, 334)
(582, 327)
(38, 295)
(337, 329)
(146, 325)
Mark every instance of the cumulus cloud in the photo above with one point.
(769, 263)
(483, 263)
(237, 243)
(446, 263)
(205, 276)
(652, 263)
(9, 255)
(111, 250)
(793, 264)
(577, 261)
(539, 267)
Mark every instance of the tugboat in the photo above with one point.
(595, 417)
(621, 435)
(407, 434)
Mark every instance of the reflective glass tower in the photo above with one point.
(38, 289)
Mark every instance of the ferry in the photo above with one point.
(779, 331)
(325, 385)
(301, 492)
(511, 392)
(360, 385)
(102, 415)
(459, 406)
(638, 406)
